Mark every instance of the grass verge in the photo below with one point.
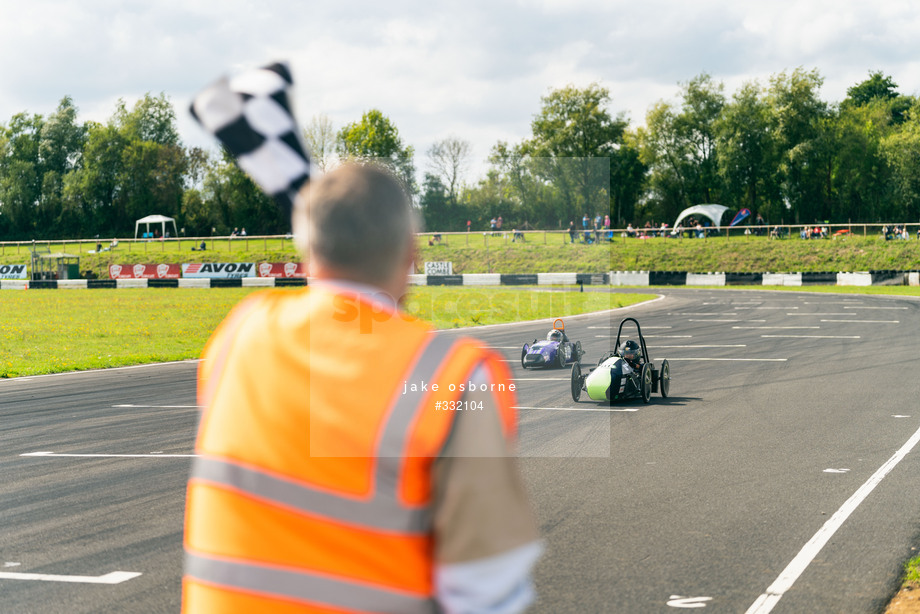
(71, 330)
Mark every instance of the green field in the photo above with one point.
(541, 253)
(51, 331)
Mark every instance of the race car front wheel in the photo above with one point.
(645, 382)
(576, 382)
(664, 379)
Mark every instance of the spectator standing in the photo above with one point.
(572, 231)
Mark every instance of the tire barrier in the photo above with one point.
(612, 278)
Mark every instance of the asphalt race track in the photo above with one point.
(781, 475)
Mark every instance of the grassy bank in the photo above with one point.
(541, 253)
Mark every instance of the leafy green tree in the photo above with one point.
(627, 179)
(375, 139)
(233, 201)
(804, 164)
(574, 138)
(21, 174)
(90, 192)
(151, 119)
(862, 183)
(664, 152)
(679, 146)
(747, 153)
(435, 205)
(901, 150)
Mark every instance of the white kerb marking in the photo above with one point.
(155, 455)
(113, 577)
(767, 601)
(676, 601)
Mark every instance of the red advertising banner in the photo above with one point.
(145, 271)
(281, 269)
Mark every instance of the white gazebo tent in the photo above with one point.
(156, 219)
(713, 212)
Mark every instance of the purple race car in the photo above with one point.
(555, 350)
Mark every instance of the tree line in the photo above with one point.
(775, 148)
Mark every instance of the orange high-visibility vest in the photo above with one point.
(312, 487)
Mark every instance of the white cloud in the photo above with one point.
(474, 69)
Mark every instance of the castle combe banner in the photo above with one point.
(206, 270)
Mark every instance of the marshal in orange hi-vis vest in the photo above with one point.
(312, 489)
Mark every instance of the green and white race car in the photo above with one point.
(626, 373)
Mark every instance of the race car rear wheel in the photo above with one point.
(576, 382)
(578, 351)
(560, 356)
(645, 382)
(664, 379)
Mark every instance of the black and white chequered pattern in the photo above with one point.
(251, 115)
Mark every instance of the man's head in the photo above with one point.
(356, 222)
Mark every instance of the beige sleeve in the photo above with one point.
(481, 507)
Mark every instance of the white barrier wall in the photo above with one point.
(545, 279)
(782, 279)
(705, 279)
(14, 284)
(418, 280)
(482, 279)
(193, 282)
(628, 278)
(130, 283)
(913, 278)
(854, 279)
(72, 284)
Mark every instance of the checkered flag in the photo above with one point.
(251, 115)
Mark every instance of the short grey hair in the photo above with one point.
(357, 219)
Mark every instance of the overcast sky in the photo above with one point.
(472, 69)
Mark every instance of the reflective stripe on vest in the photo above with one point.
(304, 586)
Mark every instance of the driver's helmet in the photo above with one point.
(631, 351)
(554, 335)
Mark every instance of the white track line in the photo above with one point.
(588, 409)
(133, 406)
(819, 314)
(767, 601)
(866, 321)
(811, 336)
(773, 327)
(658, 347)
(734, 359)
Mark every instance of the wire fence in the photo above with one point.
(284, 243)
(613, 235)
